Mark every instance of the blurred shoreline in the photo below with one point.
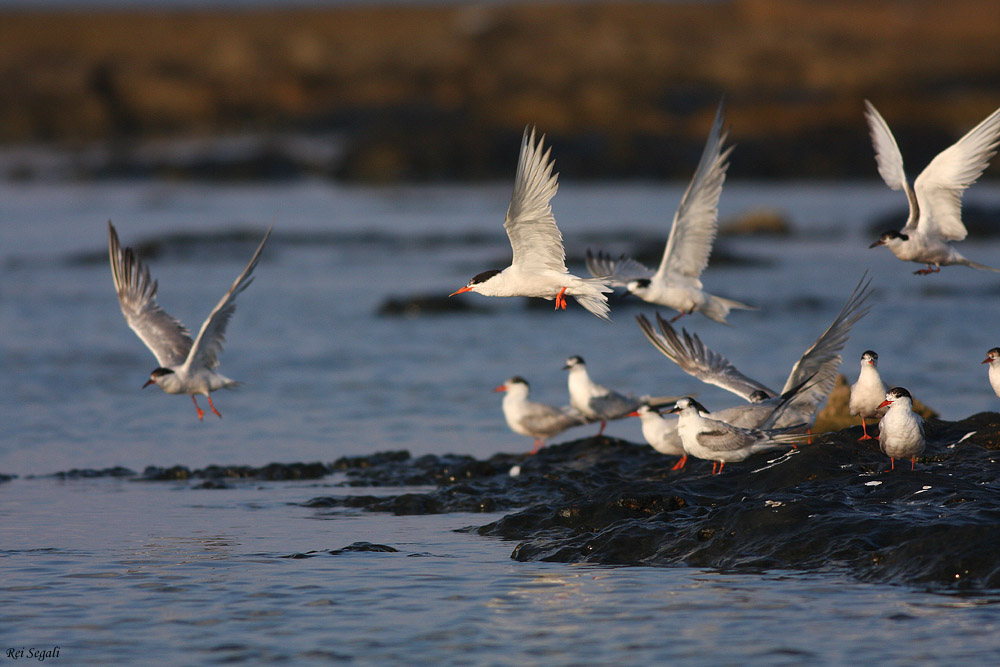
(442, 92)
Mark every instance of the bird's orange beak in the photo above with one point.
(883, 404)
(501, 388)
(459, 291)
(149, 382)
(986, 360)
(634, 413)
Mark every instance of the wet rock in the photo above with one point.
(6, 478)
(427, 304)
(356, 547)
(88, 473)
(272, 472)
(833, 504)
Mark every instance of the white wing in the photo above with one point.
(822, 360)
(531, 227)
(208, 344)
(619, 272)
(696, 359)
(162, 333)
(940, 186)
(890, 161)
(697, 217)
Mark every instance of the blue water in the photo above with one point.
(113, 570)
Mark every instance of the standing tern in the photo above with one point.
(820, 362)
(538, 267)
(186, 366)
(661, 434)
(936, 196)
(677, 281)
(901, 431)
(720, 443)
(594, 401)
(533, 419)
(993, 359)
(868, 392)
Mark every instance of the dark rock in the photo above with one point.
(87, 473)
(830, 505)
(272, 471)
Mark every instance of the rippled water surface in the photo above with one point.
(112, 569)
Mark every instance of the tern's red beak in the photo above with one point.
(502, 387)
(986, 360)
(876, 244)
(883, 404)
(634, 413)
(459, 291)
(149, 382)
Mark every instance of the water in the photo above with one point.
(117, 570)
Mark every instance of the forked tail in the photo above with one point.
(591, 293)
(718, 308)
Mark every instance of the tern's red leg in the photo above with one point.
(604, 422)
(680, 463)
(892, 463)
(928, 270)
(201, 413)
(865, 430)
(217, 413)
(539, 443)
(913, 462)
(561, 299)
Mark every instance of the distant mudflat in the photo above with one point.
(442, 92)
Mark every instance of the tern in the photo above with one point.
(533, 419)
(868, 392)
(538, 267)
(936, 196)
(721, 443)
(186, 366)
(901, 431)
(594, 401)
(820, 362)
(993, 359)
(677, 281)
(661, 434)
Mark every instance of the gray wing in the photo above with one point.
(548, 420)
(613, 405)
(696, 359)
(821, 361)
(162, 333)
(208, 344)
(697, 219)
(534, 237)
(618, 272)
(725, 438)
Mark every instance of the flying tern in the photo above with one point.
(868, 392)
(533, 419)
(186, 366)
(901, 431)
(820, 362)
(935, 199)
(677, 281)
(538, 267)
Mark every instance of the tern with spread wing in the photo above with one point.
(677, 281)
(538, 267)
(820, 362)
(936, 196)
(533, 419)
(186, 366)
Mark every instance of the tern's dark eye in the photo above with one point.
(642, 282)
(483, 277)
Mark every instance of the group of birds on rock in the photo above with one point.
(767, 420)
